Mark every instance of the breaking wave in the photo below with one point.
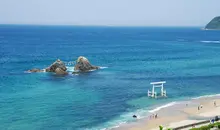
(210, 41)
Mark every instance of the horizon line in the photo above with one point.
(99, 25)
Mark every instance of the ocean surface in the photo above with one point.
(187, 58)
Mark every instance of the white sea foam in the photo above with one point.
(71, 69)
(205, 96)
(163, 106)
(210, 41)
(103, 67)
(26, 72)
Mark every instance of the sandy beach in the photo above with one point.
(178, 115)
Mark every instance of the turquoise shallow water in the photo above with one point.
(187, 58)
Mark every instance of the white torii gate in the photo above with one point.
(152, 93)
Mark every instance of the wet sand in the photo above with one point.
(178, 115)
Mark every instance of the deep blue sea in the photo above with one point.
(131, 57)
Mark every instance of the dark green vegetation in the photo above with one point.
(214, 24)
(208, 127)
(161, 128)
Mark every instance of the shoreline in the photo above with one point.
(176, 114)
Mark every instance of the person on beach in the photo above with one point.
(155, 116)
(198, 108)
(215, 103)
(213, 121)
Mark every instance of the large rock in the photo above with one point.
(35, 70)
(83, 65)
(57, 67)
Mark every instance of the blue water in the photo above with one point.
(187, 58)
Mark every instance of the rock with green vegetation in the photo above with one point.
(214, 24)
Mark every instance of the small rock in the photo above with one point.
(35, 70)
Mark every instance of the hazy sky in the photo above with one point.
(110, 12)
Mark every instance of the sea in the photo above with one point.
(187, 58)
